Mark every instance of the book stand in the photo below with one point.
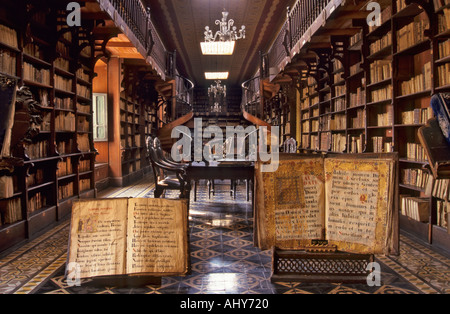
(320, 266)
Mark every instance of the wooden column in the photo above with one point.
(115, 153)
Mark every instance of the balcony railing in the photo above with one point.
(303, 19)
(251, 96)
(134, 20)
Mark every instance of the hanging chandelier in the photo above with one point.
(217, 89)
(224, 40)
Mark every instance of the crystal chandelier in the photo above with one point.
(217, 89)
(223, 41)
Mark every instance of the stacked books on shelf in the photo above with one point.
(38, 201)
(65, 191)
(63, 103)
(443, 73)
(35, 178)
(418, 83)
(381, 43)
(380, 70)
(7, 62)
(380, 145)
(358, 98)
(63, 83)
(11, 211)
(385, 118)
(85, 184)
(338, 142)
(64, 147)
(417, 116)
(85, 165)
(64, 167)
(415, 152)
(415, 177)
(359, 121)
(34, 74)
(441, 189)
(355, 144)
(65, 122)
(412, 33)
(417, 208)
(38, 150)
(382, 94)
(8, 36)
(443, 209)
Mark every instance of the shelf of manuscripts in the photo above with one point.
(44, 59)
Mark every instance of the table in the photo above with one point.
(221, 170)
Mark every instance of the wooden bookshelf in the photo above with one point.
(381, 82)
(58, 163)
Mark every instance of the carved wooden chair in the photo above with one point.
(161, 170)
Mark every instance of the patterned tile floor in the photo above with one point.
(223, 258)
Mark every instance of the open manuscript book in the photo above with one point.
(116, 237)
(347, 200)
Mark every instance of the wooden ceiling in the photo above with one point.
(181, 25)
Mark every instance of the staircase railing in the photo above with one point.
(302, 19)
(134, 19)
(251, 96)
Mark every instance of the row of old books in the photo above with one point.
(85, 184)
(325, 141)
(7, 62)
(64, 147)
(386, 118)
(35, 178)
(8, 36)
(305, 141)
(380, 70)
(382, 94)
(38, 201)
(305, 127)
(82, 75)
(356, 38)
(359, 121)
(45, 125)
(443, 74)
(65, 122)
(64, 167)
(65, 191)
(85, 165)
(339, 122)
(439, 3)
(315, 125)
(63, 83)
(355, 144)
(11, 211)
(315, 142)
(338, 142)
(63, 103)
(32, 50)
(63, 64)
(83, 91)
(34, 74)
(441, 189)
(355, 68)
(418, 83)
(358, 98)
(444, 21)
(444, 49)
(412, 33)
(415, 152)
(340, 104)
(379, 145)
(38, 150)
(417, 208)
(381, 43)
(417, 116)
(339, 90)
(415, 177)
(443, 212)
(84, 108)
(43, 97)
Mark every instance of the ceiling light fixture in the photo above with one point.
(217, 75)
(217, 89)
(223, 41)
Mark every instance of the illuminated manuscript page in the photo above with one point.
(98, 237)
(293, 204)
(157, 236)
(358, 204)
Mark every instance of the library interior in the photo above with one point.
(225, 147)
